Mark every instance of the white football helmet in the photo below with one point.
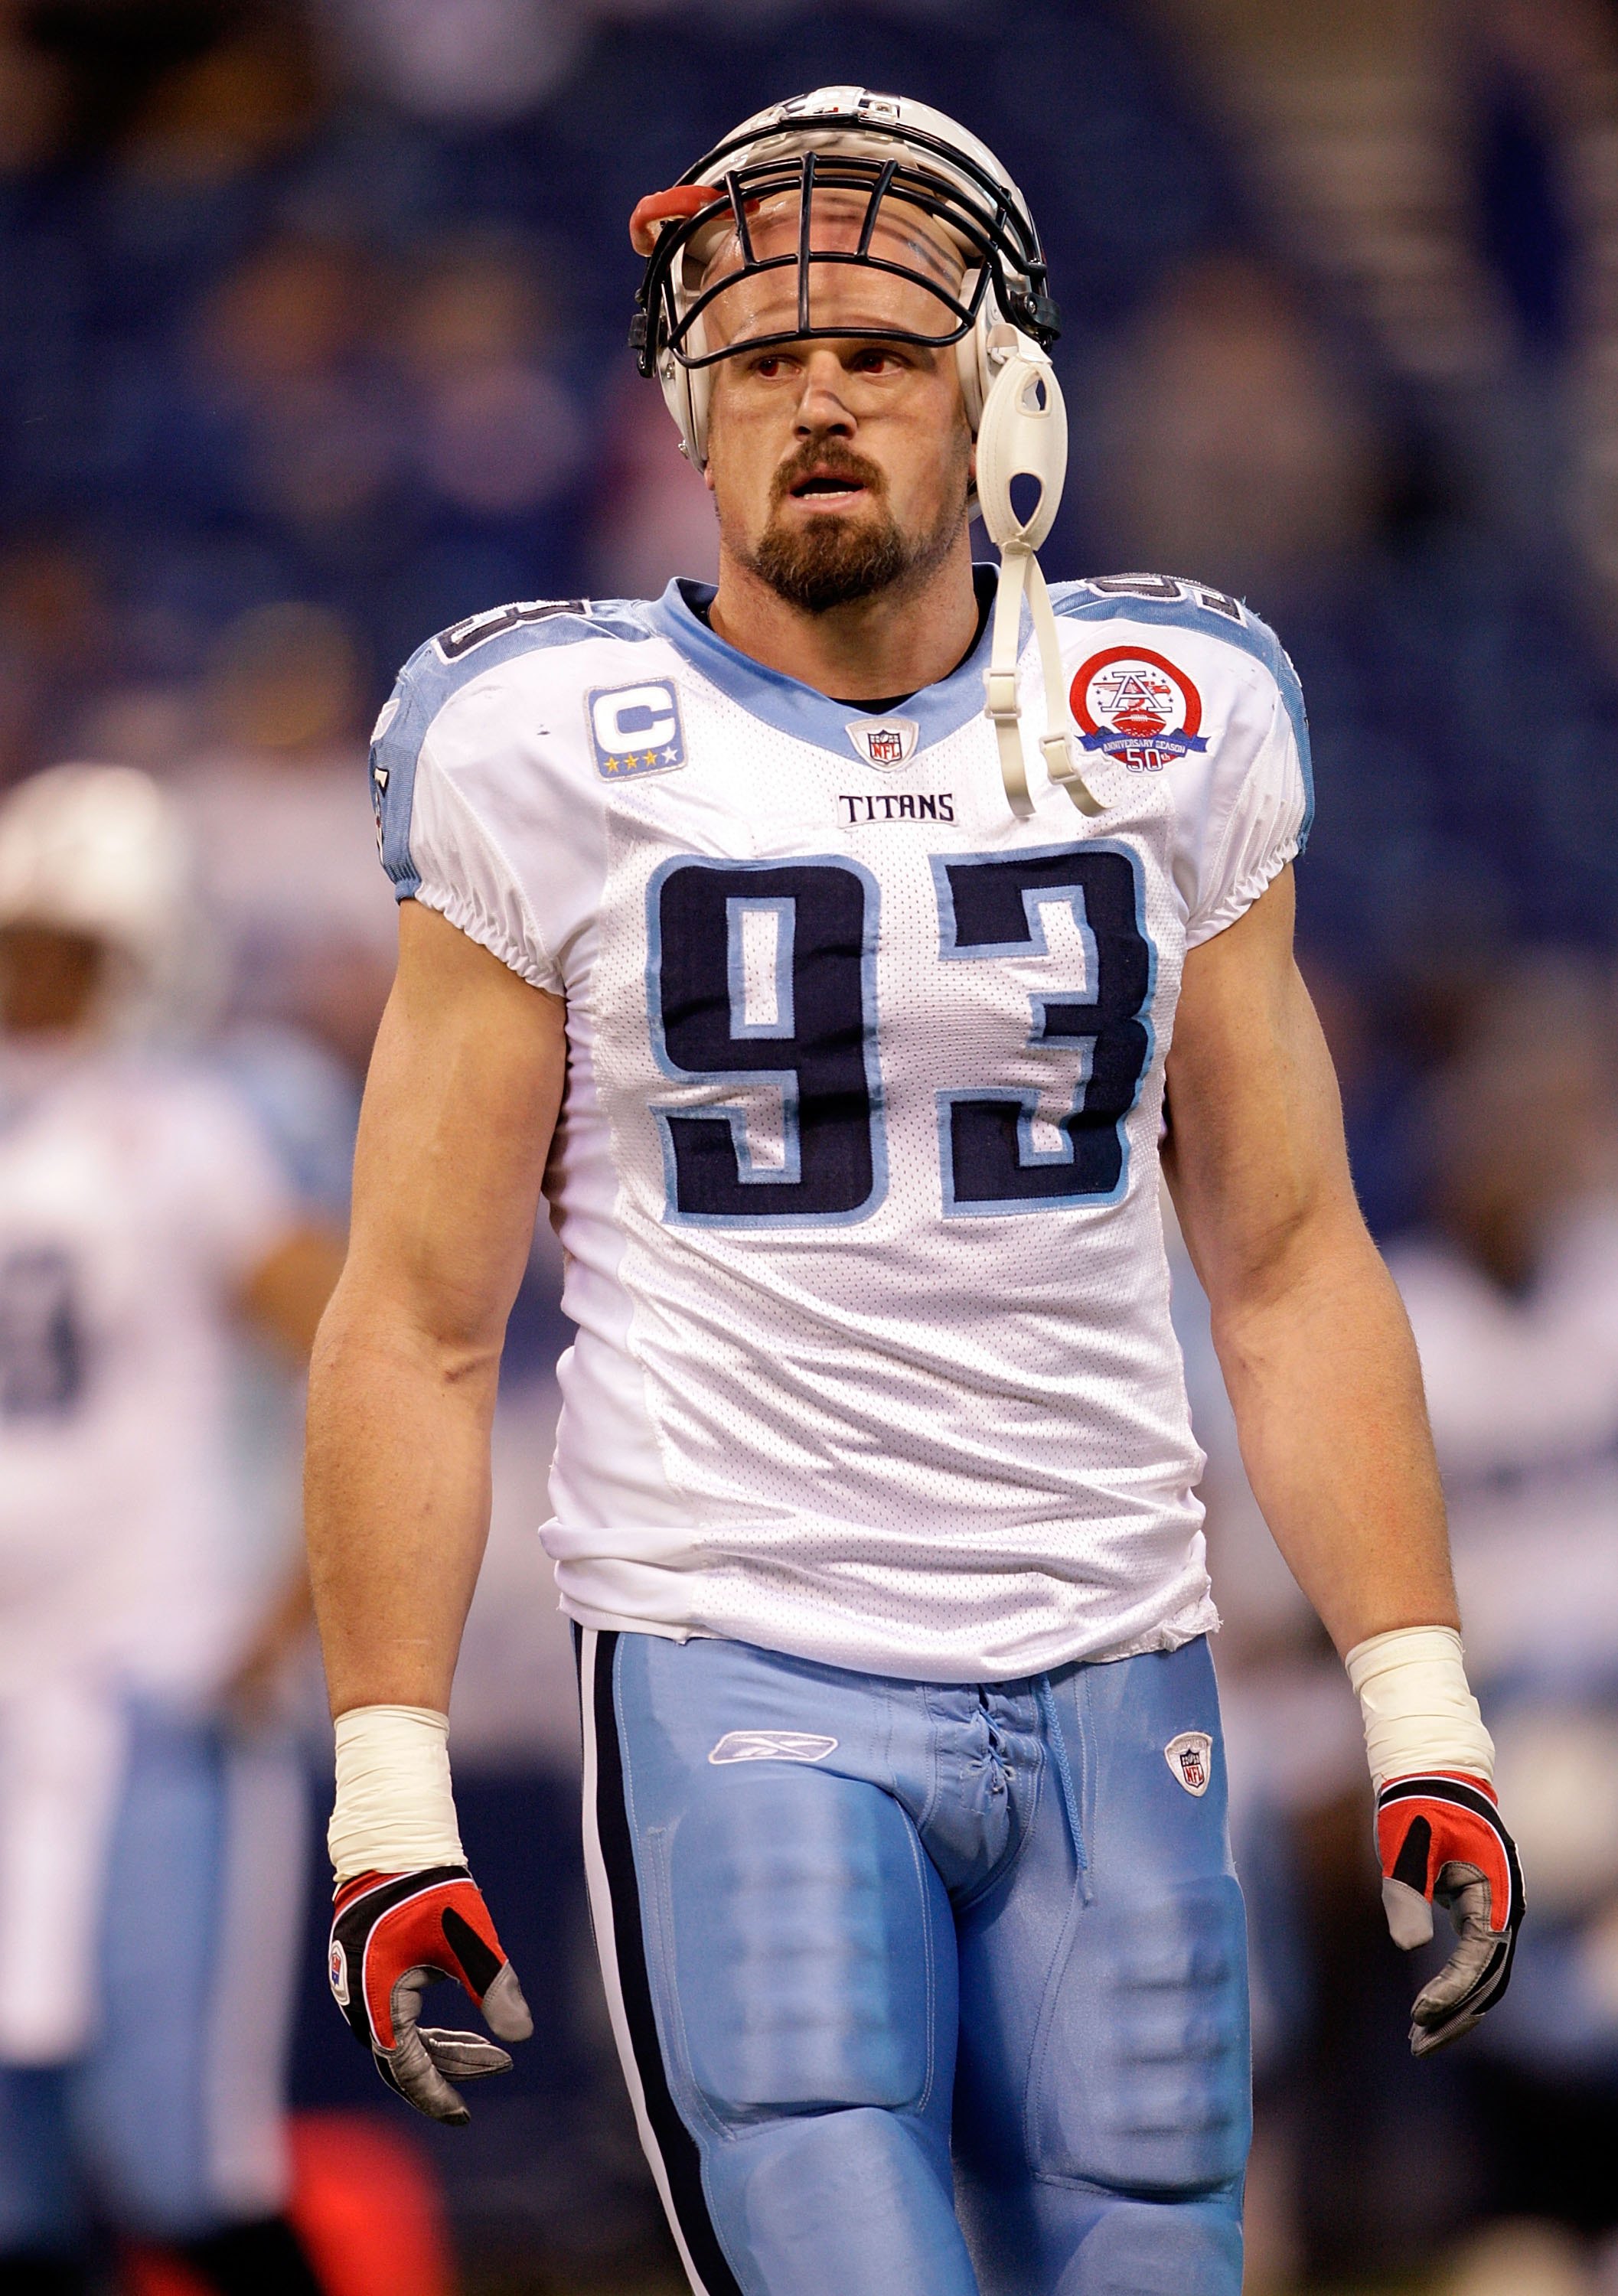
(100, 851)
(924, 190)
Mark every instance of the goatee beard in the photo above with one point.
(838, 561)
(834, 562)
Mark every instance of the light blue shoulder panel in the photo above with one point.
(1172, 603)
(440, 668)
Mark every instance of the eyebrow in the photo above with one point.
(898, 346)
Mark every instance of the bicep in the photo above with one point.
(1255, 1153)
(460, 1104)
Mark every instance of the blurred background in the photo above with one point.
(311, 341)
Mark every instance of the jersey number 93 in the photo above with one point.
(763, 974)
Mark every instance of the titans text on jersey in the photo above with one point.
(857, 1172)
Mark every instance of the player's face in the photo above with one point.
(840, 467)
(48, 979)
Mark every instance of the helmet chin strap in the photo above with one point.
(1023, 434)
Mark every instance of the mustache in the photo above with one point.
(826, 461)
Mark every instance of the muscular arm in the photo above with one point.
(461, 1098)
(1312, 1335)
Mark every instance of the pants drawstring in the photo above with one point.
(1051, 1715)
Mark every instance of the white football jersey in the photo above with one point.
(1522, 1393)
(857, 1171)
(135, 1197)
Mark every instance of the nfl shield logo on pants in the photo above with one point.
(1190, 1757)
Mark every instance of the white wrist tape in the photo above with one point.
(1419, 1714)
(394, 1810)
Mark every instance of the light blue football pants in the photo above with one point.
(923, 1989)
(171, 2125)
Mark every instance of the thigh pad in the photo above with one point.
(1141, 2079)
(799, 1930)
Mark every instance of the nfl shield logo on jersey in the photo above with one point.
(885, 741)
(337, 1969)
(1190, 1757)
(635, 729)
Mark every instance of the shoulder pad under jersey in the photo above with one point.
(1175, 602)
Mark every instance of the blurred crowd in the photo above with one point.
(311, 341)
(1510, 1274)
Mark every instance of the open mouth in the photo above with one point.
(826, 486)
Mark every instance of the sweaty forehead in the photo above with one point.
(864, 295)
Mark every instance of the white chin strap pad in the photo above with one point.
(1023, 435)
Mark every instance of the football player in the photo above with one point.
(150, 1845)
(829, 946)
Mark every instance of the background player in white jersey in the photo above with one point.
(151, 1854)
(835, 1013)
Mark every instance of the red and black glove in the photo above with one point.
(392, 1934)
(1441, 1843)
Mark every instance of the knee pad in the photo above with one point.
(1142, 2082)
(1159, 2247)
(841, 2199)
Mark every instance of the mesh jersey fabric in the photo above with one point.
(934, 1425)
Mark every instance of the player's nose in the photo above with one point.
(822, 408)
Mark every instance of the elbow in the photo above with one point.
(1307, 1254)
(363, 1333)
